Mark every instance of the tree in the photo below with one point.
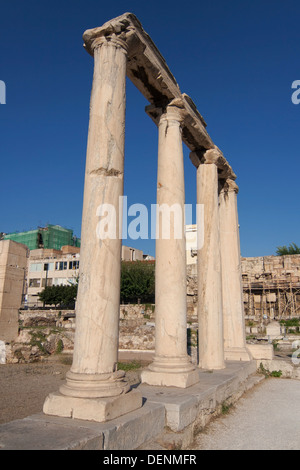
(59, 295)
(138, 282)
(292, 249)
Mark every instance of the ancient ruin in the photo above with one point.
(94, 388)
(13, 263)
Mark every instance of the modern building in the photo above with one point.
(49, 267)
(53, 258)
(191, 244)
(131, 254)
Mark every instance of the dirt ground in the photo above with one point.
(24, 387)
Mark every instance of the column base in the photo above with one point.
(207, 365)
(92, 409)
(237, 354)
(170, 372)
(79, 385)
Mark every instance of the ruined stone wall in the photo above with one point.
(46, 332)
(271, 286)
(191, 291)
(13, 264)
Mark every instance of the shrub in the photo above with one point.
(138, 282)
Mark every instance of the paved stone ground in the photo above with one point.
(266, 418)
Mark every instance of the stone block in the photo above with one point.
(261, 351)
(41, 432)
(169, 379)
(92, 409)
(2, 353)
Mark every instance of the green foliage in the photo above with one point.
(290, 322)
(267, 373)
(138, 282)
(226, 408)
(276, 373)
(59, 347)
(134, 365)
(59, 295)
(292, 249)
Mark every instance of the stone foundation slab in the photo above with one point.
(92, 409)
(168, 414)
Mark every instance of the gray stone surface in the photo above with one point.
(267, 418)
(41, 432)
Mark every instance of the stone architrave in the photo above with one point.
(233, 307)
(172, 365)
(94, 388)
(210, 314)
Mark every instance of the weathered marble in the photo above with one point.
(94, 370)
(94, 387)
(210, 313)
(171, 365)
(232, 292)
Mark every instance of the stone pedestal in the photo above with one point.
(94, 389)
(233, 308)
(171, 365)
(210, 315)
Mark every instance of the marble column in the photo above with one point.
(172, 365)
(94, 388)
(210, 315)
(233, 307)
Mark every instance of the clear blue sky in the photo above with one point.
(236, 59)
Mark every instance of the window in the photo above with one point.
(74, 264)
(61, 265)
(36, 267)
(48, 266)
(49, 282)
(60, 281)
(34, 283)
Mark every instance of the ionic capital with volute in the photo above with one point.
(115, 32)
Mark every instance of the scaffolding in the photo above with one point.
(51, 236)
(32, 239)
(55, 236)
(271, 298)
